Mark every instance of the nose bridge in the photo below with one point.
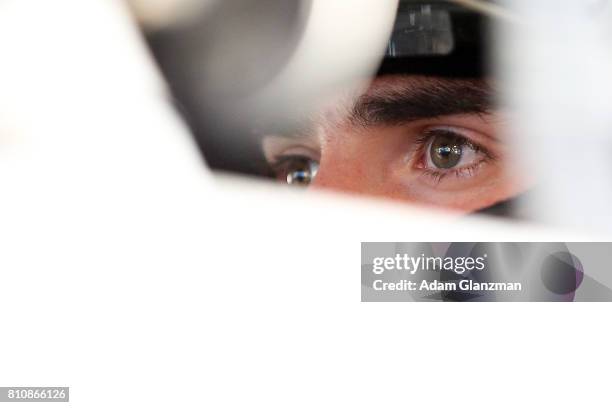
(341, 166)
(335, 179)
(328, 177)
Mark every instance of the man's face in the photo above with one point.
(420, 139)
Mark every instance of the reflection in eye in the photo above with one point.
(296, 170)
(447, 152)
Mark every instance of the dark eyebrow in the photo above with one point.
(421, 98)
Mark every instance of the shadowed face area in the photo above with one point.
(424, 140)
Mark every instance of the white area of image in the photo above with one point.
(132, 276)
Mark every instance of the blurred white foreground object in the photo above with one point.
(340, 48)
(559, 62)
(131, 277)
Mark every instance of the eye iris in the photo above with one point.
(446, 151)
(300, 176)
(301, 172)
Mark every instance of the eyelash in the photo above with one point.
(437, 175)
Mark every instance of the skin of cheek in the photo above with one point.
(487, 189)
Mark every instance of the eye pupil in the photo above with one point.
(446, 151)
(301, 171)
(298, 177)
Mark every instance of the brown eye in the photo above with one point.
(446, 150)
(296, 170)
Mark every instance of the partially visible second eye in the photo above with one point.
(296, 170)
(448, 150)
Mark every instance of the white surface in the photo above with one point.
(130, 276)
